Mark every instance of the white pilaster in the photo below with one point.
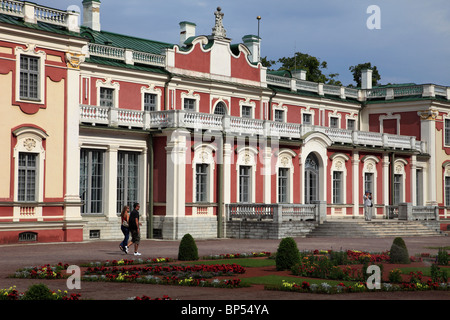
(355, 183)
(386, 185)
(111, 183)
(267, 158)
(413, 180)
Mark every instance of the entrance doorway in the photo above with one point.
(311, 179)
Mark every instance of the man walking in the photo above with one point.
(134, 227)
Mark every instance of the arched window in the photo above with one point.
(311, 178)
(220, 109)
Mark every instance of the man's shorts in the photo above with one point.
(135, 236)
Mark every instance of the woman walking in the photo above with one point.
(124, 226)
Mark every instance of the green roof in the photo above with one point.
(42, 26)
(122, 64)
(124, 41)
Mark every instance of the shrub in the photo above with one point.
(287, 254)
(442, 257)
(395, 276)
(399, 251)
(38, 292)
(188, 249)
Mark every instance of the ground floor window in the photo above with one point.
(337, 187)
(398, 189)
(201, 182)
(27, 176)
(91, 180)
(447, 191)
(127, 179)
(283, 180)
(244, 183)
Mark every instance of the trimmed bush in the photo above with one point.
(287, 254)
(399, 252)
(188, 249)
(38, 292)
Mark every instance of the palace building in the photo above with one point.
(204, 137)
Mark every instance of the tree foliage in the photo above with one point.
(356, 71)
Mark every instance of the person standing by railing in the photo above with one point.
(368, 204)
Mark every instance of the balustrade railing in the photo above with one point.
(240, 126)
(275, 212)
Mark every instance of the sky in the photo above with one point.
(407, 40)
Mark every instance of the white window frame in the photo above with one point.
(390, 116)
(41, 56)
(285, 160)
(30, 140)
(370, 166)
(337, 116)
(280, 108)
(249, 104)
(446, 176)
(151, 90)
(339, 164)
(246, 156)
(399, 169)
(446, 120)
(110, 85)
(191, 95)
(204, 154)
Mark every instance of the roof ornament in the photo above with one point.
(219, 31)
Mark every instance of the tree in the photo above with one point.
(312, 65)
(356, 70)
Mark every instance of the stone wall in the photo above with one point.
(253, 229)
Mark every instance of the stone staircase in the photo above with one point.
(374, 229)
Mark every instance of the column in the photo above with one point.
(385, 181)
(111, 183)
(355, 183)
(72, 200)
(176, 179)
(427, 131)
(267, 159)
(413, 180)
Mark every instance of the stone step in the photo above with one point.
(358, 229)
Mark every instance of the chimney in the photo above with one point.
(91, 14)
(299, 74)
(187, 30)
(366, 79)
(253, 43)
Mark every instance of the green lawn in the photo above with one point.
(276, 280)
(243, 262)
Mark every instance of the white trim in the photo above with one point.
(339, 165)
(281, 107)
(41, 55)
(247, 103)
(190, 95)
(246, 156)
(108, 84)
(390, 116)
(203, 154)
(370, 166)
(285, 157)
(151, 90)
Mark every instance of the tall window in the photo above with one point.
(244, 183)
(27, 177)
(447, 191)
(279, 115)
(398, 188)
(311, 178)
(106, 97)
(368, 182)
(201, 182)
(283, 185)
(220, 109)
(127, 179)
(150, 102)
(189, 104)
(29, 77)
(447, 132)
(419, 189)
(337, 187)
(91, 180)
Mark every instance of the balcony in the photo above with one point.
(114, 117)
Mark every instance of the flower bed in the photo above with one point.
(11, 294)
